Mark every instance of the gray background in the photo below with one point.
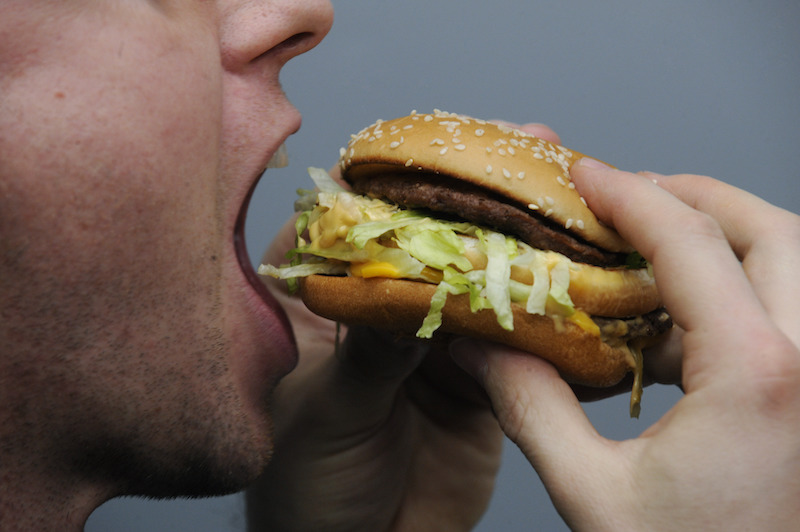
(698, 86)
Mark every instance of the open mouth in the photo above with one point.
(280, 159)
(243, 257)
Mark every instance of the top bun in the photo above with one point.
(519, 166)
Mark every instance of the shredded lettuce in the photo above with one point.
(470, 282)
(498, 276)
(455, 283)
(537, 298)
(410, 241)
(558, 297)
(434, 243)
(360, 234)
(303, 270)
(324, 181)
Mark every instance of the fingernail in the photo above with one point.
(471, 357)
(588, 162)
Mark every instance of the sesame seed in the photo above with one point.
(456, 140)
(409, 126)
(561, 181)
(488, 149)
(538, 155)
(521, 175)
(460, 147)
(342, 152)
(580, 224)
(533, 206)
(506, 174)
(569, 223)
(488, 168)
(548, 212)
(571, 185)
(428, 118)
(583, 200)
(443, 151)
(437, 142)
(502, 152)
(479, 132)
(550, 201)
(409, 162)
(394, 145)
(511, 151)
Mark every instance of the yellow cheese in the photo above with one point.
(582, 320)
(375, 269)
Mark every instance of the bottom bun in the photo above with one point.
(401, 306)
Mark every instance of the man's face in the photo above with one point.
(131, 134)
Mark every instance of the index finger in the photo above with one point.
(700, 278)
(766, 239)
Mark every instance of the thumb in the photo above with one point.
(539, 412)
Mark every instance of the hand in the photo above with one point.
(727, 455)
(388, 434)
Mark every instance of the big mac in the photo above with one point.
(454, 225)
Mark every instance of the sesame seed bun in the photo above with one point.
(514, 164)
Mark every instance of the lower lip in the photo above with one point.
(276, 330)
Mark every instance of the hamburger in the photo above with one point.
(455, 225)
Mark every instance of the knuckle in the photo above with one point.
(775, 376)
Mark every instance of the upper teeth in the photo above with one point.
(280, 159)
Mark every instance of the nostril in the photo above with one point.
(297, 44)
(296, 40)
(276, 31)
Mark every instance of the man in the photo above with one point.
(138, 353)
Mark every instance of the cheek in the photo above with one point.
(114, 212)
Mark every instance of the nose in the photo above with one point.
(252, 30)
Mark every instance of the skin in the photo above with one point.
(727, 455)
(137, 356)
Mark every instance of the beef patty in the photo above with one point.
(469, 202)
